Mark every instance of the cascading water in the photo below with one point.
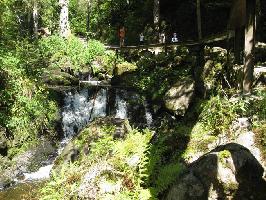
(148, 114)
(121, 107)
(80, 108)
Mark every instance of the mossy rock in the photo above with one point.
(124, 67)
(180, 95)
(57, 77)
(3, 142)
(79, 146)
(210, 178)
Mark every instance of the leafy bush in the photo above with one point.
(71, 54)
(26, 109)
(63, 184)
(219, 112)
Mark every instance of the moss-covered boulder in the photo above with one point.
(124, 67)
(3, 142)
(111, 155)
(180, 95)
(80, 145)
(58, 77)
(228, 172)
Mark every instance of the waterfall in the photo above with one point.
(121, 107)
(148, 114)
(80, 108)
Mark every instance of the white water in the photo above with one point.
(80, 108)
(148, 115)
(42, 173)
(121, 107)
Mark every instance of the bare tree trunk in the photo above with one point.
(199, 20)
(249, 46)
(238, 44)
(35, 16)
(64, 22)
(156, 17)
(237, 23)
(88, 18)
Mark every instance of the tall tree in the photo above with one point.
(156, 16)
(88, 17)
(199, 20)
(249, 46)
(64, 27)
(237, 23)
(35, 16)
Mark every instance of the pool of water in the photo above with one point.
(22, 191)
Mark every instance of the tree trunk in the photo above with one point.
(35, 16)
(249, 46)
(88, 18)
(64, 23)
(238, 44)
(156, 17)
(199, 20)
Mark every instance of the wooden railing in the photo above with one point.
(205, 41)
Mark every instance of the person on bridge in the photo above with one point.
(162, 38)
(122, 34)
(141, 39)
(174, 38)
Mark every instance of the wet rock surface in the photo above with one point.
(28, 161)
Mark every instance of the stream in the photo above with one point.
(79, 109)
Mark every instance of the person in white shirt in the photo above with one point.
(162, 38)
(174, 38)
(141, 39)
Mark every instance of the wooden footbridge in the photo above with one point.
(159, 47)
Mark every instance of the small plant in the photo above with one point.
(63, 184)
(219, 112)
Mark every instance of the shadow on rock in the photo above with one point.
(228, 172)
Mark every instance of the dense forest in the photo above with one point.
(128, 99)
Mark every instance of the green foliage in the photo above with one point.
(157, 73)
(78, 16)
(167, 175)
(63, 184)
(219, 112)
(71, 53)
(124, 155)
(26, 109)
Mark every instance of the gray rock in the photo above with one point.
(3, 142)
(241, 124)
(229, 171)
(179, 97)
(91, 184)
(28, 161)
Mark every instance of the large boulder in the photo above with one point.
(260, 75)
(3, 142)
(180, 95)
(228, 172)
(80, 145)
(58, 77)
(124, 67)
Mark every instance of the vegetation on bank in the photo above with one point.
(27, 108)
